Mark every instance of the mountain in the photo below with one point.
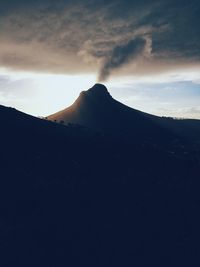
(74, 196)
(96, 109)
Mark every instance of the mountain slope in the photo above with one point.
(96, 109)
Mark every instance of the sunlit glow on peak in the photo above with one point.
(55, 92)
(43, 94)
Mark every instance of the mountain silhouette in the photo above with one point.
(96, 109)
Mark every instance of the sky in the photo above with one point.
(146, 52)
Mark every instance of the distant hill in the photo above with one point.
(95, 196)
(96, 109)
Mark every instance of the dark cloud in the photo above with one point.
(122, 55)
(66, 36)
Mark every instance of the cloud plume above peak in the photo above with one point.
(97, 36)
(122, 55)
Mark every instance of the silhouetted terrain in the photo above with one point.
(96, 109)
(109, 194)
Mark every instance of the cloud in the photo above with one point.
(98, 36)
(121, 55)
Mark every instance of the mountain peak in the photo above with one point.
(99, 87)
(96, 92)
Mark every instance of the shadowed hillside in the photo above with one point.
(96, 109)
(75, 196)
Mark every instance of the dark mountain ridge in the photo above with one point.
(96, 109)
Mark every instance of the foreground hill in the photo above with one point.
(71, 196)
